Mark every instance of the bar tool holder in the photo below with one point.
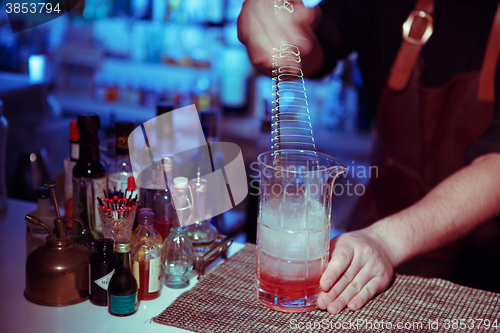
(219, 249)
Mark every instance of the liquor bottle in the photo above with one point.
(199, 229)
(35, 235)
(3, 147)
(69, 164)
(162, 201)
(101, 269)
(89, 164)
(122, 289)
(151, 182)
(145, 229)
(146, 261)
(121, 170)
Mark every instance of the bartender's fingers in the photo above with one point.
(347, 281)
(340, 260)
(373, 287)
(351, 290)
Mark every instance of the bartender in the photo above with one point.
(435, 89)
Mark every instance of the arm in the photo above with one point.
(362, 261)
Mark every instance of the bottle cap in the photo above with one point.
(167, 162)
(1, 107)
(88, 122)
(122, 247)
(131, 184)
(42, 192)
(180, 182)
(74, 133)
(104, 245)
(164, 107)
(146, 218)
(124, 128)
(145, 209)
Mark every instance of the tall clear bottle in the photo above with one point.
(199, 229)
(121, 170)
(35, 235)
(122, 290)
(177, 251)
(3, 147)
(146, 259)
(208, 160)
(89, 165)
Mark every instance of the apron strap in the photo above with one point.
(417, 29)
(487, 77)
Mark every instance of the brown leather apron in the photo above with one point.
(422, 133)
(421, 137)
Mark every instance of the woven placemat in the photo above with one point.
(223, 301)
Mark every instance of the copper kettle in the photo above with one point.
(57, 274)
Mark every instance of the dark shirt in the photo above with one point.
(373, 29)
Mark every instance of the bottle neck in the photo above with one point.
(123, 260)
(89, 147)
(121, 146)
(43, 204)
(200, 205)
(120, 159)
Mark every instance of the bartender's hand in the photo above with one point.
(359, 268)
(261, 29)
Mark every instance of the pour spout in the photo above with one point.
(36, 221)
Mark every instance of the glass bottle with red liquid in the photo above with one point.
(162, 202)
(146, 264)
(145, 229)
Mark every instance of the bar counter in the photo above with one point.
(224, 301)
(18, 315)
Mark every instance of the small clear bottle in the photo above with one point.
(35, 235)
(101, 269)
(146, 267)
(145, 229)
(199, 229)
(178, 258)
(177, 251)
(122, 289)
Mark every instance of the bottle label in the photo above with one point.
(122, 305)
(135, 272)
(104, 281)
(99, 185)
(154, 275)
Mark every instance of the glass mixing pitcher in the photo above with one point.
(293, 228)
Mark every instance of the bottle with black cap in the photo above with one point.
(89, 164)
(36, 235)
(121, 170)
(101, 269)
